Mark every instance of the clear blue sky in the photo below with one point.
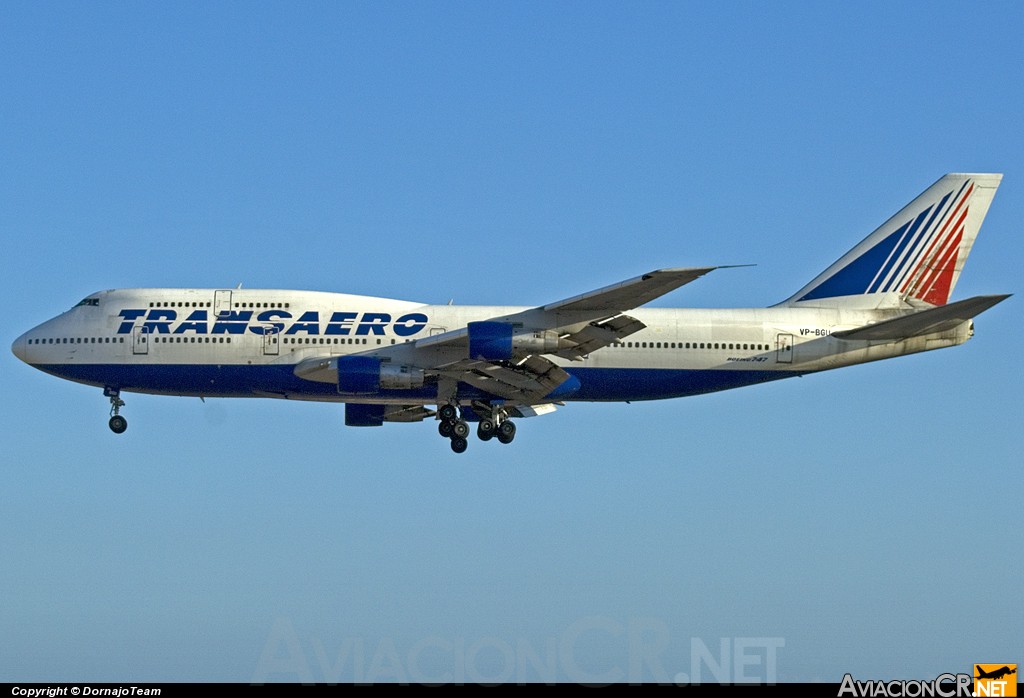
(506, 153)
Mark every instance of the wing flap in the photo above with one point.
(407, 413)
(525, 411)
(938, 319)
(597, 335)
(526, 382)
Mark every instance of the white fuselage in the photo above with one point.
(247, 342)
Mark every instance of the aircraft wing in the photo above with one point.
(519, 370)
(628, 294)
(938, 319)
(587, 312)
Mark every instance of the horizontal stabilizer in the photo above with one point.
(940, 319)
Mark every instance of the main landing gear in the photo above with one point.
(453, 427)
(117, 423)
(494, 424)
(498, 426)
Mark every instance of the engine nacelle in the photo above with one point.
(497, 341)
(364, 415)
(400, 377)
(366, 375)
(360, 415)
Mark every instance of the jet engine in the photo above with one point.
(366, 374)
(498, 341)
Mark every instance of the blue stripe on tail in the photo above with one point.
(853, 279)
(929, 230)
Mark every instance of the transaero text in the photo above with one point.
(312, 322)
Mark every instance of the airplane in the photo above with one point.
(996, 674)
(399, 361)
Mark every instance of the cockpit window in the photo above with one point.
(89, 301)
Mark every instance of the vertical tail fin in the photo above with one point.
(915, 257)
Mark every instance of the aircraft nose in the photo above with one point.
(19, 348)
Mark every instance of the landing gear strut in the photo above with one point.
(117, 423)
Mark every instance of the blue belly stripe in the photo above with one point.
(211, 380)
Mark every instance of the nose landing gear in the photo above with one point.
(117, 423)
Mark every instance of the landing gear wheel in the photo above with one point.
(445, 428)
(459, 444)
(506, 432)
(118, 424)
(447, 412)
(483, 433)
(460, 429)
